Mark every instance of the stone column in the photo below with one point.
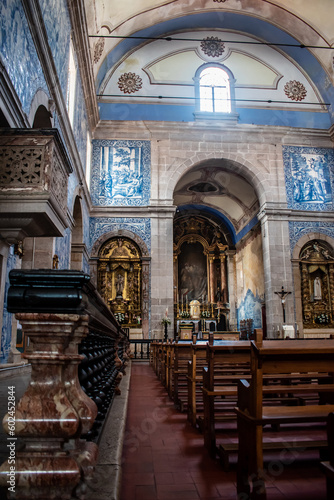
(162, 291)
(38, 253)
(277, 266)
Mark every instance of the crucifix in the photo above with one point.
(283, 295)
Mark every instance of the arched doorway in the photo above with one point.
(218, 256)
(78, 247)
(42, 118)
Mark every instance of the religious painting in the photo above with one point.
(121, 173)
(308, 177)
(192, 273)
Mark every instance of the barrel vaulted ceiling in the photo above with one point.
(145, 54)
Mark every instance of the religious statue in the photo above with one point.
(119, 285)
(317, 288)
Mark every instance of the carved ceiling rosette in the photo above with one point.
(295, 90)
(129, 83)
(212, 46)
(98, 49)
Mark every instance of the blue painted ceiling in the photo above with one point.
(262, 30)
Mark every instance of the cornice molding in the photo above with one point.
(80, 37)
(12, 108)
(38, 32)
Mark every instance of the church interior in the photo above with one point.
(166, 177)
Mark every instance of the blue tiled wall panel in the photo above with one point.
(250, 308)
(299, 229)
(121, 173)
(139, 226)
(18, 53)
(309, 177)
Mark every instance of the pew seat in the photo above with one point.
(304, 359)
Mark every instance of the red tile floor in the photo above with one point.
(164, 457)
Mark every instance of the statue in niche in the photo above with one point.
(317, 289)
(119, 286)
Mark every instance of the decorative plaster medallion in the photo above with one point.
(98, 49)
(129, 83)
(212, 46)
(295, 90)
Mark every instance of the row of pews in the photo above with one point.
(269, 390)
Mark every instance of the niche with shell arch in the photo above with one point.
(316, 262)
(119, 280)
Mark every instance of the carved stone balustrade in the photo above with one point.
(61, 312)
(34, 170)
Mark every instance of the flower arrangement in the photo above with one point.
(322, 319)
(120, 317)
(165, 321)
(185, 314)
(205, 314)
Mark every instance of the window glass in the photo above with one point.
(214, 91)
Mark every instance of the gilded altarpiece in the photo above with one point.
(317, 285)
(200, 272)
(120, 282)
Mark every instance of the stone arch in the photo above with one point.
(78, 248)
(41, 99)
(309, 237)
(119, 232)
(245, 169)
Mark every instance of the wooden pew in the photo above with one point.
(195, 378)
(227, 362)
(233, 335)
(272, 359)
(182, 354)
(154, 355)
(328, 466)
(195, 374)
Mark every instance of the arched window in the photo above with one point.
(214, 87)
(214, 93)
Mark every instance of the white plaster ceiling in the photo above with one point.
(224, 191)
(168, 69)
(113, 13)
(309, 21)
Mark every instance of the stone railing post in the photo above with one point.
(54, 411)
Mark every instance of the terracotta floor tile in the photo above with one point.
(164, 456)
(145, 493)
(177, 491)
(164, 478)
(139, 479)
(207, 490)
